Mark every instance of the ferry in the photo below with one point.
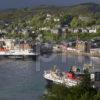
(67, 78)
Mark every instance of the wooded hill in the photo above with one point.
(86, 9)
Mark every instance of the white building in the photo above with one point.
(48, 17)
(75, 31)
(44, 28)
(9, 43)
(93, 30)
(64, 29)
(24, 31)
(55, 31)
(84, 30)
(56, 19)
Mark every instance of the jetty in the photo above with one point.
(19, 54)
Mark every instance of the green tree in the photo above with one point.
(83, 91)
(86, 81)
(74, 23)
(97, 96)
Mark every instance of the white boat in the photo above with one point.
(68, 79)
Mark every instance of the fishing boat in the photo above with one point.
(69, 79)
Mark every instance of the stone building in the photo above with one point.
(7, 43)
(83, 46)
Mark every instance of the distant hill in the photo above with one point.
(86, 9)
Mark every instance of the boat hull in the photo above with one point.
(49, 82)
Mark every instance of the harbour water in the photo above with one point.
(23, 80)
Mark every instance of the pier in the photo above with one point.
(18, 54)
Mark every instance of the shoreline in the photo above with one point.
(81, 53)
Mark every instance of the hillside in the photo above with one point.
(87, 9)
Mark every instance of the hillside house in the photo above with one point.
(84, 30)
(75, 30)
(44, 28)
(56, 19)
(48, 17)
(84, 18)
(55, 31)
(93, 30)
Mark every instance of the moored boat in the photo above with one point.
(67, 78)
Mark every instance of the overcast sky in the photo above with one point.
(4, 4)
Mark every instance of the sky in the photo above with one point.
(5, 4)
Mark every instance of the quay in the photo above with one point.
(17, 54)
(95, 54)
